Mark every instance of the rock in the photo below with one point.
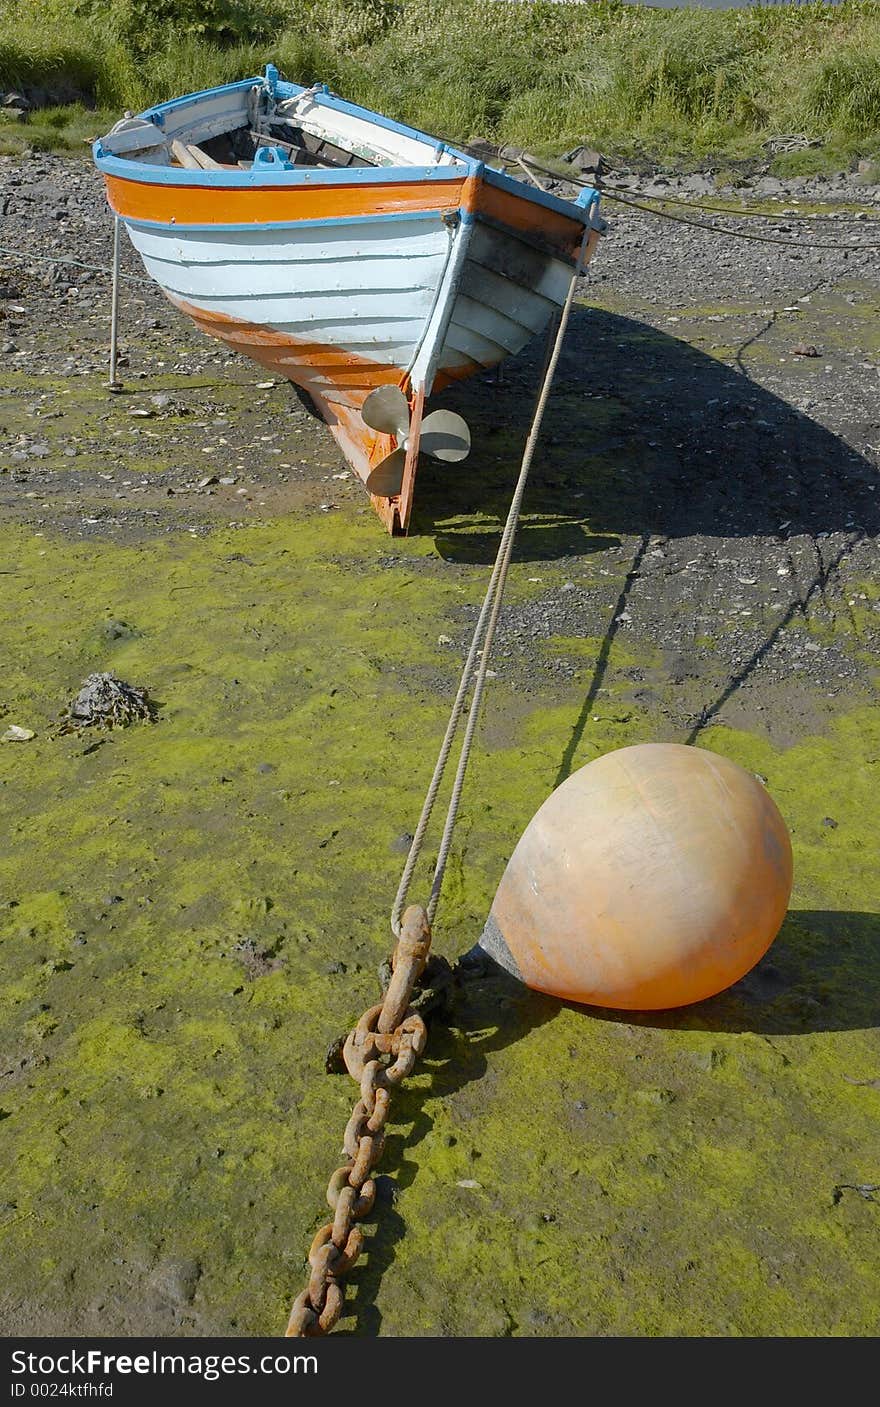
(483, 150)
(585, 159)
(698, 183)
(14, 734)
(769, 185)
(106, 701)
(118, 630)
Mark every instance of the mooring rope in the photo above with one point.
(836, 246)
(613, 193)
(77, 263)
(483, 636)
(738, 213)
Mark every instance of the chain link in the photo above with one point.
(379, 1053)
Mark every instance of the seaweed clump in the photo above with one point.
(104, 701)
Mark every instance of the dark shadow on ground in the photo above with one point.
(826, 567)
(656, 436)
(821, 974)
(601, 666)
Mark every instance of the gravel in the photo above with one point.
(704, 502)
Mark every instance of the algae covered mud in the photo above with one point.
(191, 910)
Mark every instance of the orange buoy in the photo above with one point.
(653, 877)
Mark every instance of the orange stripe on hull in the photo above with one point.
(204, 205)
(338, 381)
(560, 232)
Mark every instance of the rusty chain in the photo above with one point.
(379, 1053)
(386, 1042)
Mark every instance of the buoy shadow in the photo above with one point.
(821, 974)
(487, 1013)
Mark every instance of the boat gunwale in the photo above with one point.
(129, 169)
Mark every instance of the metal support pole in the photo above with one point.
(114, 383)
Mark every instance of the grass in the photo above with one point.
(672, 85)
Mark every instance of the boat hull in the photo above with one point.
(347, 280)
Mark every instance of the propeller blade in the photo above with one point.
(387, 409)
(386, 480)
(445, 435)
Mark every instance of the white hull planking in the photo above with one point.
(507, 294)
(369, 289)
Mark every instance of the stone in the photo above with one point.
(586, 159)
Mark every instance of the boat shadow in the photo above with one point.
(644, 434)
(821, 975)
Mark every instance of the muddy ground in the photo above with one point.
(190, 911)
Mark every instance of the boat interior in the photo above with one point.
(249, 126)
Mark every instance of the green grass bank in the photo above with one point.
(670, 85)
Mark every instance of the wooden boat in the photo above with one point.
(369, 263)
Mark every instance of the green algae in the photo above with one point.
(556, 1171)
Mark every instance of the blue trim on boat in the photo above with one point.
(538, 197)
(466, 217)
(262, 177)
(157, 112)
(310, 177)
(332, 100)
